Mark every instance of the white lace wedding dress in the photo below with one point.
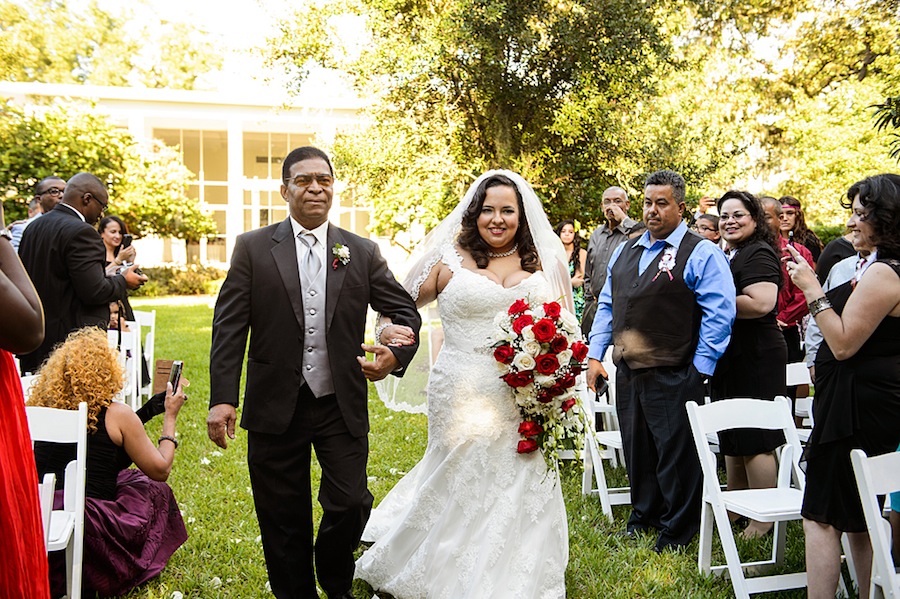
(473, 518)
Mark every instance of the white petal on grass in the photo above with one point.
(205, 461)
(216, 454)
(215, 582)
(177, 595)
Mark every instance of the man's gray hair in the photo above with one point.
(670, 178)
(617, 188)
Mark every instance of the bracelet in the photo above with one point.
(168, 438)
(379, 330)
(819, 305)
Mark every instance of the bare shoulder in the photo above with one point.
(120, 418)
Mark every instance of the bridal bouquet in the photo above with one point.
(539, 351)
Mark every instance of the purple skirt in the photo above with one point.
(127, 541)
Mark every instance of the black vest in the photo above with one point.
(654, 322)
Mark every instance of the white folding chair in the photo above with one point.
(777, 505)
(875, 476)
(67, 524)
(130, 358)
(147, 320)
(46, 489)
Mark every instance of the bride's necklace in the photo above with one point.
(514, 249)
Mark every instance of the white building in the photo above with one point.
(234, 145)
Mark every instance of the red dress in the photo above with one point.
(23, 558)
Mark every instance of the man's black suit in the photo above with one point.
(65, 258)
(262, 295)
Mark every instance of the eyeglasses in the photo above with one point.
(103, 205)
(704, 229)
(724, 218)
(306, 179)
(53, 191)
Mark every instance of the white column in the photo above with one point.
(234, 216)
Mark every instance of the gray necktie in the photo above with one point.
(311, 264)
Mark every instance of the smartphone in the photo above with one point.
(601, 385)
(175, 374)
(127, 238)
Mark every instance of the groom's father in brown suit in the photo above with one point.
(301, 288)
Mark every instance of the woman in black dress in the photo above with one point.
(857, 383)
(754, 363)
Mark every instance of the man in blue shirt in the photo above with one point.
(667, 307)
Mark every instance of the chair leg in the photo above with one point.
(704, 556)
(732, 558)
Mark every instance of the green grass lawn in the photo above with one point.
(223, 556)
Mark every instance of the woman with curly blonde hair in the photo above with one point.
(132, 521)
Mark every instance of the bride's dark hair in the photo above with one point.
(470, 239)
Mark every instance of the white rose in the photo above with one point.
(564, 357)
(532, 347)
(527, 333)
(523, 361)
(570, 323)
(542, 380)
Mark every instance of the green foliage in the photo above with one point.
(192, 279)
(154, 200)
(474, 84)
(827, 233)
(57, 41)
(57, 140)
(887, 115)
(147, 184)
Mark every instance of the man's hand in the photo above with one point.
(385, 362)
(595, 369)
(614, 213)
(220, 422)
(706, 204)
(132, 279)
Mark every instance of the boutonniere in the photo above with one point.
(667, 262)
(341, 254)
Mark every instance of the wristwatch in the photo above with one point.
(4, 232)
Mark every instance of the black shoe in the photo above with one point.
(665, 543)
(632, 532)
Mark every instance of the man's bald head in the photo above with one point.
(87, 194)
(772, 210)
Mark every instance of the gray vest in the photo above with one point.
(316, 370)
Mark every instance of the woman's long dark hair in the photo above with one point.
(755, 210)
(880, 196)
(470, 239)
(575, 258)
(802, 233)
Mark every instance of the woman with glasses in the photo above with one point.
(857, 382)
(793, 227)
(756, 346)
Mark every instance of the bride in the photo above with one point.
(474, 518)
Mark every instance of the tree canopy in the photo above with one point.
(57, 41)
(147, 183)
(582, 94)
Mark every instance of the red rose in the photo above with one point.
(567, 381)
(521, 322)
(546, 395)
(518, 379)
(518, 307)
(504, 354)
(575, 369)
(567, 405)
(529, 428)
(579, 351)
(544, 330)
(546, 363)
(558, 344)
(527, 446)
(552, 309)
